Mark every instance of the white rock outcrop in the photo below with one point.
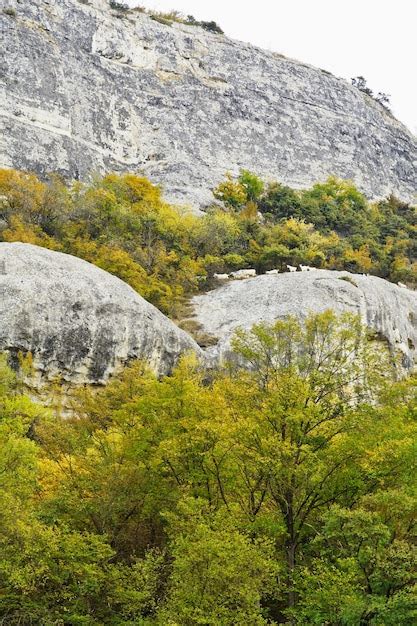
(86, 89)
(79, 322)
(389, 310)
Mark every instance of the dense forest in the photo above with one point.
(277, 488)
(283, 493)
(166, 253)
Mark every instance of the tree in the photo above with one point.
(280, 201)
(289, 442)
(360, 83)
(365, 573)
(252, 185)
(219, 572)
(232, 194)
(301, 433)
(336, 205)
(212, 27)
(382, 98)
(118, 6)
(122, 224)
(236, 194)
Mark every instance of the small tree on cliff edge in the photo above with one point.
(382, 98)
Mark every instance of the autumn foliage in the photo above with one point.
(122, 224)
(280, 493)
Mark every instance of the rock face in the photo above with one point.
(78, 321)
(83, 324)
(91, 89)
(384, 307)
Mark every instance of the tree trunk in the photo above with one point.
(291, 549)
(291, 566)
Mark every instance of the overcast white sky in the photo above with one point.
(373, 38)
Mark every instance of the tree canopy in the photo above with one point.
(280, 488)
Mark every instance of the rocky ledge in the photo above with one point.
(389, 310)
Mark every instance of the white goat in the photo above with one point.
(221, 276)
(402, 285)
(272, 272)
(240, 274)
(291, 268)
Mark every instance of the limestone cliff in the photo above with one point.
(79, 322)
(389, 310)
(89, 89)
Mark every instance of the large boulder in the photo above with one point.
(390, 310)
(89, 89)
(79, 322)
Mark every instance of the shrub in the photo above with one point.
(9, 11)
(161, 20)
(167, 18)
(213, 27)
(348, 279)
(118, 6)
(210, 26)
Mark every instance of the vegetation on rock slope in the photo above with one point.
(250, 497)
(121, 224)
(167, 18)
(282, 493)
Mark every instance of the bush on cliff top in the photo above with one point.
(175, 16)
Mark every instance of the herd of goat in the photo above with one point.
(250, 273)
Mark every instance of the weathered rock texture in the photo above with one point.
(389, 310)
(78, 321)
(87, 89)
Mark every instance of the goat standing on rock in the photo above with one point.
(239, 274)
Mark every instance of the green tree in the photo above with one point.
(231, 193)
(252, 185)
(219, 572)
(281, 201)
(336, 205)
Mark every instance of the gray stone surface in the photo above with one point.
(78, 321)
(386, 308)
(86, 89)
